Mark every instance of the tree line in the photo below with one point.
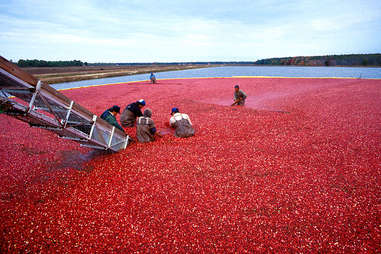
(181, 63)
(329, 60)
(43, 63)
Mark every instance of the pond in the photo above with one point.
(233, 71)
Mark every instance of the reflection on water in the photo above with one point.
(231, 71)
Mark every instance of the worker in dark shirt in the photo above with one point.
(131, 112)
(239, 96)
(109, 116)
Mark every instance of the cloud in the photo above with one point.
(181, 30)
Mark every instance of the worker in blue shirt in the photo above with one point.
(152, 78)
(131, 112)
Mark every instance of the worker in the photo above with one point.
(145, 127)
(110, 116)
(133, 110)
(239, 96)
(152, 78)
(181, 123)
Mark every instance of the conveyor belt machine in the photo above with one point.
(25, 98)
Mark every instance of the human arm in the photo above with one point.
(236, 98)
(110, 118)
(243, 95)
(236, 101)
(172, 121)
(151, 127)
(153, 130)
(185, 116)
(134, 108)
(117, 125)
(137, 111)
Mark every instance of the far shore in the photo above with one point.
(53, 75)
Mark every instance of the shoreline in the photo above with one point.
(200, 78)
(54, 75)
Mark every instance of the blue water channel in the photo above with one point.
(232, 71)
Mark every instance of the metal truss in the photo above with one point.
(29, 100)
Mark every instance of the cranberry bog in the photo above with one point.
(295, 170)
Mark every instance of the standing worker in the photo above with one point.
(109, 116)
(130, 113)
(152, 78)
(239, 96)
(181, 123)
(145, 127)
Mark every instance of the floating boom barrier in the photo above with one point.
(25, 98)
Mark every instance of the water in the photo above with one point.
(231, 71)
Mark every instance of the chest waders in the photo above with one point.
(183, 128)
(143, 130)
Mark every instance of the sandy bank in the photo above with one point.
(54, 75)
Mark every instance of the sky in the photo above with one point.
(186, 30)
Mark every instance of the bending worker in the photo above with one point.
(239, 96)
(145, 127)
(181, 123)
(109, 116)
(152, 78)
(133, 110)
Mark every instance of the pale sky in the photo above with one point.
(186, 30)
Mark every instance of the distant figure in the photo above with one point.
(130, 113)
(145, 127)
(181, 123)
(109, 116)
(239, 96)
(152, 78)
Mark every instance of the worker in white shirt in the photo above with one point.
(181, 123)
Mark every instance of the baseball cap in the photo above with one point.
(142, 102)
